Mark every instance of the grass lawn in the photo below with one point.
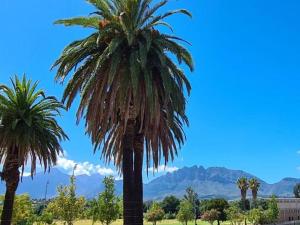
(164, 222)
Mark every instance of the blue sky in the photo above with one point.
(245, 105)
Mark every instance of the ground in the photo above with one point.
(164, 222)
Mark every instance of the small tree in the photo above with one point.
(273, 211)
(66, 206)
(211, 216)
(186, 212)
(218, 204)
(193, 198)
(155, 213)
(106, 209)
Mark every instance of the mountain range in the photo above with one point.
(208, 183)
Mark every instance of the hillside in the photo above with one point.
(208, 183)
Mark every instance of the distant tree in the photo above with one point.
(193, 198)
(107, 207)
(210, 216)
(218, 204)
(155, 213)
(186, 212)
(297, 190)
(170, 205)
(66, 206)
(243, 185)
(254, 185)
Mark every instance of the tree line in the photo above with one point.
(108, 207)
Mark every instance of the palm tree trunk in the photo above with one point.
(138, 178)
(11, 176)
(254, 195)
(243, 199)
(127, 168)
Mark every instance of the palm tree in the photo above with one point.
(254, 186)
(132, 91)
(243, 185)
(28, 133)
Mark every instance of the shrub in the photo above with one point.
(211, 216)
(155, 213)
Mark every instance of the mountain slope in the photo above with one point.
(208, 183)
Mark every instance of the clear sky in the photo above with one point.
(245, 105)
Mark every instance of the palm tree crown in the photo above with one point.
(254, 186)
(126, 70)
(28, 128)
(243, 184)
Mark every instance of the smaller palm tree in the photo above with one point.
(254, 186)
(28, 133)
(243, 185)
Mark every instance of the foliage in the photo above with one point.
(210, 216)
(106, 208)
(273, 210)
(297, 190)
(23, 209)
(218, 204)
(186, 212)
(193, 198)
(265, 216)
(127, 70)
(235, 214)
(155, 213)
(255, 216)
(66, 206)
(121, 209)
(45, 218)
(170, 205)
(28, 123)
(147, 205)
(260, 204)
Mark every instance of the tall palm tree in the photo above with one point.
(254, 186)
(132, 90)
(28, 133)
(243, 185)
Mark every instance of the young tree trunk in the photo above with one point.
(138, 178)
(127, 168)
(11, 176)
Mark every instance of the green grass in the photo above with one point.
(164, 222)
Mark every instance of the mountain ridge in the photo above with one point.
(208, 182)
